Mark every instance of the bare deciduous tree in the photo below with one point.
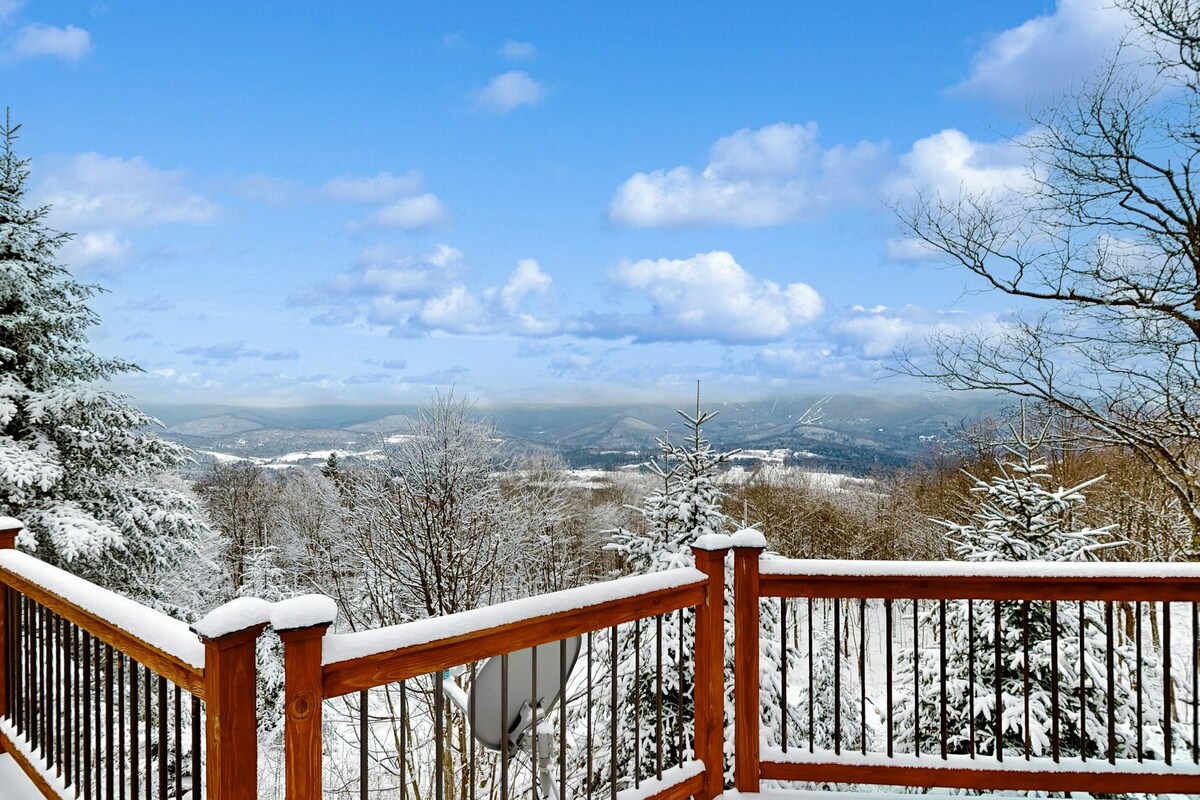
(1103, 251)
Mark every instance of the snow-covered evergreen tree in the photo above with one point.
(685, 506)
(78, 464)
(1019, 516)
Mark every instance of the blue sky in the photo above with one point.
(531, 202)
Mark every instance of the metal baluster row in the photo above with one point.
(1006, 668)
(76, 702)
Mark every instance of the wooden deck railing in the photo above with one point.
(901, 675)
(93, 685)
(320, 666)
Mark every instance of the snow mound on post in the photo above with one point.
(713, 541)
(236, 615)
(749, 537)
(9, 523)
(304, 611)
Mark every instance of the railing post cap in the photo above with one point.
(749, 538)
(713, 542)
(10, 528)
(303, 612)
(240, 615)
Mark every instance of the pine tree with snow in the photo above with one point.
(78, 464)
(1019, 516)
(684, 507)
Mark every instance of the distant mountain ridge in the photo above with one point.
(846, 433)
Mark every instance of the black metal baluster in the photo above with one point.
(590, 687)
(943, 721)
(162, 738)
(916, 679)
(1083, 737)
(837, 675)
(1137, 635)
(1025, 680)
(504, 716)
(862, 673)
(1195, 682)
(783, 664)
(562, 716)
(178, 717)
(1168, 699)
(1109, 659)
(404, 739)
(637, 705)
(98, 756)
(86, 745)
(891, 707)
(658, 697)
(533, 724)
(471, 739)
(1055, 732)
(109, 766)
(148, 730)
(363, 762)
(612, 714)
(971, 748)
(998, 711)
(439, 745)
(811, 691)
(121, 659)
(134, 782)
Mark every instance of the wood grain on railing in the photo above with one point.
(980, 588)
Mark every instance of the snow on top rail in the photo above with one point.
(975, 569)
(349, 646)
(156, 629)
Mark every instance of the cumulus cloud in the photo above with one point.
(506, 92)
(96, 191)
(706, 297)
(1040, 58)
(96, 249)
(877, 332)
(776, 174)
(517, 51)
(37, 40)
(410, 213)
(9, 8)
(416, 295)
(950, 162)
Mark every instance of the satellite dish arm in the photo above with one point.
(457, 696)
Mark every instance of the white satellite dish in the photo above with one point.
(501, 706)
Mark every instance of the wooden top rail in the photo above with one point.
(958, 580)
(357, 661)
(163, 643)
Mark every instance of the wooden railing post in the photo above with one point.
(709, 691)
(230, 634)
(9, 528)
(303, 693)
(747, 547)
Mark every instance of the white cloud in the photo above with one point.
(416, 295)
(706, 297)
(877, 332)
(508, 91)
(518, 51)
(949, 162)
(405, 206)
(410, 213)
(37, 40)
(770, 176)
(1043, 56)
(94, 191)
(376, 189)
